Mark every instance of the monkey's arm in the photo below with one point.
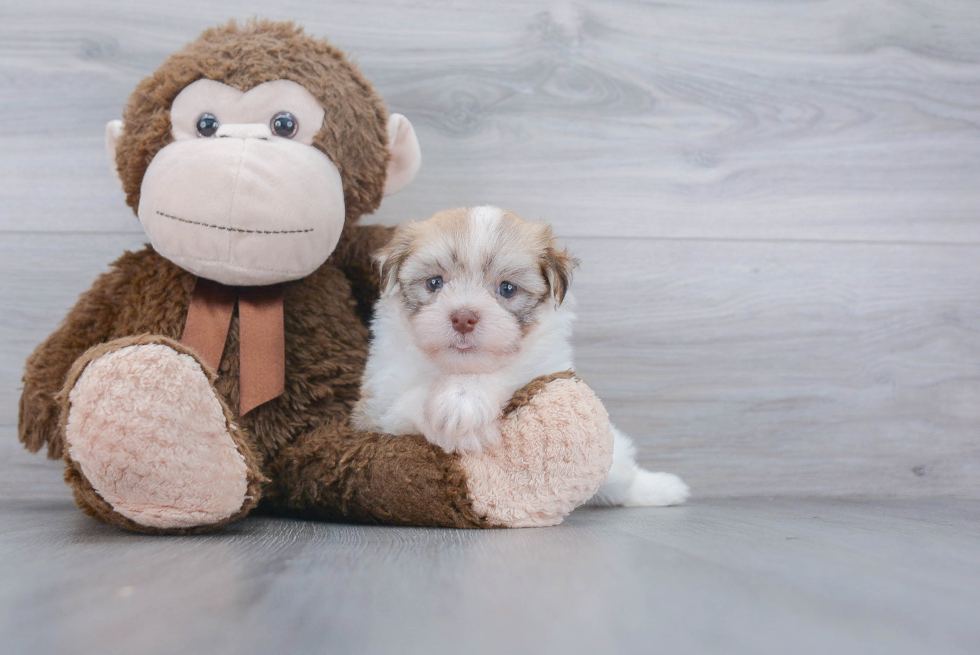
(353, 256)
(89, 322)
(338, 473)
(555, 451)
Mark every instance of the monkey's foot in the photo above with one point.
(150, 445)
(555, 451)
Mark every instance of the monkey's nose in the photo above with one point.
(244, 131)
(464, 320)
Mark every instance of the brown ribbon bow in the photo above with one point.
(262, 341)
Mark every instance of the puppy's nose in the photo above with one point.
(464, 320)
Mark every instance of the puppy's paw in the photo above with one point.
(475, 441)
(470, 441)
(651, 489)
(460, 417)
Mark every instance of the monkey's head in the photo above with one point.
(247, 152)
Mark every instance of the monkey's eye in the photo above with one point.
(507, 290)
(207, 125)
(285, 125)
(433, 283)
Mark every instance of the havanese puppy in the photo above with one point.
(474, 305)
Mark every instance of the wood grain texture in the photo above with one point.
(776, 205)
(836, 120)
(749, 368)
(765, 368)
(737, 577)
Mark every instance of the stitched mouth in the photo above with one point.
(231, 229)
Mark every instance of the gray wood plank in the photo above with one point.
(760, 368)
(749, 368)
(834, 120)
(27, 476)
(43, 276)
(746, 576)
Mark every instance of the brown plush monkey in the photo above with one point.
(215, 370)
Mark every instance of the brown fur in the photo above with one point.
(315, 465)
(523, 396)
(301, 455)
(353, 135)
(337, 472)
(297, 446)
(557, 267)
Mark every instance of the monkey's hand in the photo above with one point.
(461, 416)
(555, 451)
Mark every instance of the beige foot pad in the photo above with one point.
(554, 454)
(153, 440)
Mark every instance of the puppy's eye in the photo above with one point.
(507, 290)
(284, 124)
(433, 283)
(207, 125)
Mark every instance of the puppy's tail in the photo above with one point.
(631, 486)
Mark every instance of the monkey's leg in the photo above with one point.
(150, 446)
(555, 451)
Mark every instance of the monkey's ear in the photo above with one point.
(113, 132)
(406, 156)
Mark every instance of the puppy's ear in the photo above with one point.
(390, 259)
(557, 266)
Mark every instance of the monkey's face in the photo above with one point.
(241, 196)
(252, 185)
(246, 152)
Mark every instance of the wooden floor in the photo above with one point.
(746, 576)
(750, 576)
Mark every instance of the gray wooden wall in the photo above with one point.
(776, 205)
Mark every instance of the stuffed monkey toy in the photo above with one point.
(214, 371)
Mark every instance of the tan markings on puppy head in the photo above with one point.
(474, 280)
(556, 267)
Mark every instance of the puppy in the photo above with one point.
(475, 305)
